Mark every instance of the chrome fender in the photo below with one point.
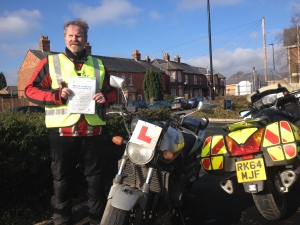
(125, 197)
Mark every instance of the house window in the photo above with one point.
(124, 77)
(196, 93)
(173, 92)
(179, 76)
(131, 97)
(130, 79)
(180, 92)
(186, 79)
(172, 76)
(195, 79)
(200, 80)
(140, 97)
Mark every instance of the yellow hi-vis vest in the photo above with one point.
(60, 68)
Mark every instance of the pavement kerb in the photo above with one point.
(224, 120)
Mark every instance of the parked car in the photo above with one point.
(181, 104)
(158, 104)
(28, 108)
(140, 104)
(207, 98)
(194, 101)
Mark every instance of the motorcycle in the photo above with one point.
(159, 164)
(261, 153)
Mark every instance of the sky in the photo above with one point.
(154, 27)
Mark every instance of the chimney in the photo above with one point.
(147, 59)
(44, 44)
(136, 55)
(177, 59)
(166, 57)
(88, 48)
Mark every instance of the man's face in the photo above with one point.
(74, 39)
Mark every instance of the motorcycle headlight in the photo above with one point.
(139, 154)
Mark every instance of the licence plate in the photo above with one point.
(250, 170)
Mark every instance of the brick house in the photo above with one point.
(188, 81)
(178, 79)
(292, 44)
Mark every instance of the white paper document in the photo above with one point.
(81, 101)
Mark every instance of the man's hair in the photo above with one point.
(78, 22)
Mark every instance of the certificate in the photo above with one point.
(81, 100)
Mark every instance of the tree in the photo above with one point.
(3, 83)
(152, 85)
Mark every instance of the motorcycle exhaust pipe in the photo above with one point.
(230, 184)
(289, 177)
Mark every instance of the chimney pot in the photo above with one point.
(44, 44)
(147, 58)
(136, 55)
(167, 57)
(177, 59)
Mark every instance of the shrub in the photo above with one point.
(238, 103)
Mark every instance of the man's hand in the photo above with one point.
(99, 98)
(65, 92)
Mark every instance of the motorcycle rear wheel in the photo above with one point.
(271, 203)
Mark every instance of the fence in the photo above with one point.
(7, 103)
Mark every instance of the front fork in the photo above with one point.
(125, 197)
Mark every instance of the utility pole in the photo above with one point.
(265, 48)
(212, 94)
(273, 56)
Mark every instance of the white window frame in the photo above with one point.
(172, 76)
(179, 75)
(173, 92)
(130, 79)
(195, 79)
(180, 92)
(131, 97)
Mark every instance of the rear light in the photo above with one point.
(252, 144)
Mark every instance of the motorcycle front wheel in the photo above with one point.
(271, 203)
(117, 216)
(113, 215)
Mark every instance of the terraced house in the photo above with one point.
(178, 79)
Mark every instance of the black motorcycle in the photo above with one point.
(159, 165)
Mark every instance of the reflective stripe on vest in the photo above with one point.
(60, 69)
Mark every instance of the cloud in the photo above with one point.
(18, 23)
(155, 15)
(229, 62)
(115, 11)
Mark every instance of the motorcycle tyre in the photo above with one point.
(270, 203)
(113, 215)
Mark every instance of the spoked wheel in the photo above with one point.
(271, 202)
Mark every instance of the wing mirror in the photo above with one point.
(117, 82)
(206, 107)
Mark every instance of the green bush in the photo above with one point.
(24, 164)
(238, 103)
